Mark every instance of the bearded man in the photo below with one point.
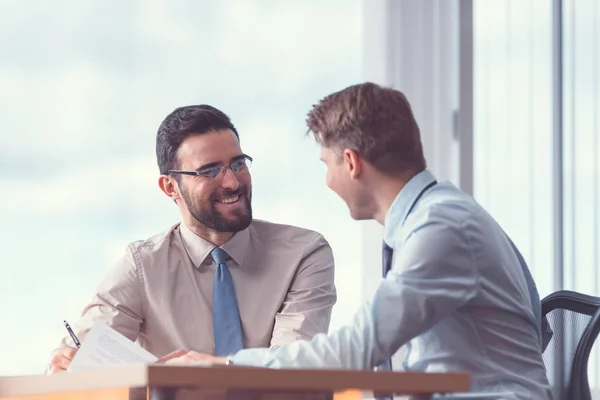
(217, 281)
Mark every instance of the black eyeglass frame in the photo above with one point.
(213, 172)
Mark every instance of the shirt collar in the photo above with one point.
(403, 203)
(199, 248)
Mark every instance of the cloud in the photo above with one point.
(306, 38)
(89, 93)
(107, 187)
(63, 116)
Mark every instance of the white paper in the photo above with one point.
(103, 346)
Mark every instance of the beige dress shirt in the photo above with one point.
(160, 292)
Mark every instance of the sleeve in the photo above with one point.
(306, 309)
(117, 301)
(433, 274)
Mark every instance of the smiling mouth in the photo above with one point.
(230, 199)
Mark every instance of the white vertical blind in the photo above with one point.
(513, 135)
(512, 138)
(581, 60)
(581, 108)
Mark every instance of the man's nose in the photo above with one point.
(229, 180)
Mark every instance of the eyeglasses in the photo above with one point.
(237, 166)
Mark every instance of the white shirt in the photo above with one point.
(456, 291)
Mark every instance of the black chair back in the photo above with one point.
(570, 325)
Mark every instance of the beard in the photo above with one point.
(213, 219)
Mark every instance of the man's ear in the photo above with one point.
(169, 186)
(352, 162)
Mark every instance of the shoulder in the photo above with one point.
(445, 214)
(134, 259)
(264, 230)
(440, 234)
(155, 243)
(304, 251)
(449, 205)
(291, 242)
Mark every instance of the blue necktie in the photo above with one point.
(226, 318)
(386, 265)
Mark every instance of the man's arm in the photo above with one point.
(117, 301)
(433, 274)
(306, 310)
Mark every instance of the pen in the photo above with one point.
(72, 334)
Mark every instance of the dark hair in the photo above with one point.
(375, 121)
(185, 121)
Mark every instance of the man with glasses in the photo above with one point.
(219, 281)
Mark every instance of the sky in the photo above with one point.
(84, 89)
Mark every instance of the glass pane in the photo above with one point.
(581, 130)
(512, 136)
(84, 88)
(581, 58)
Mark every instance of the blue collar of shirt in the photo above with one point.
(394, 219)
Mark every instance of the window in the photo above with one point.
(513, 136)
(581, 104)
(84, 90)
(581, 149)
(512, 139)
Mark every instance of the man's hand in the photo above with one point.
(190, 357)
(61, 359)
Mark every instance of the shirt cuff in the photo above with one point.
(252, 357)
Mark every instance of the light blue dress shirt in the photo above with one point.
(457, 292)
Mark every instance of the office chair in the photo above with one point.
(571, 323)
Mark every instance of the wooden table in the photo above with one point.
(160, 382)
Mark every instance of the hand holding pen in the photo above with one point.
(62, 357)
